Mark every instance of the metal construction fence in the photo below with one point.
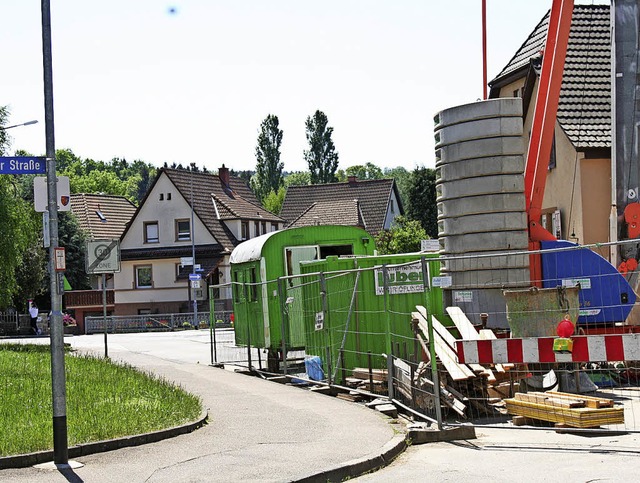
(352, 322)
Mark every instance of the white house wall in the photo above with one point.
(165, 212)
(391, 213)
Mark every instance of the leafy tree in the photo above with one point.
(273, 201)
(5, 140)
(73, 238)
(366, 171)
(18, 229)
(297, 178)
(403, 181)
(243, 174)
(18, 226)
(405, 236)
(321, 157)
(421, 199)
(269, 168)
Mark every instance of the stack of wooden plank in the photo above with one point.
(577, 411)
(375, 382)
(472, 383)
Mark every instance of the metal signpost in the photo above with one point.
(58, 378)
(103, 256)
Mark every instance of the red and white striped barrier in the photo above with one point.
(592, 348)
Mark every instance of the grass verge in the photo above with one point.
(104, 400)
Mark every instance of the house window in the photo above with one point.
(392, 206)
(168, 196)
(183, 230)
(274, 227)
(143, 277)
(151, 232)
(161, 196)
(552, 156)
(264, 227)
(256, 227)
(245, 230)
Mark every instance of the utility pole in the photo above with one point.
(58, 382)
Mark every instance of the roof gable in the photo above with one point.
(215, 201)
(584, 109)
(372, 196)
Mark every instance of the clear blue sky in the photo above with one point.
(191, 80)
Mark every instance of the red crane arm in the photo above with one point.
(544, 116)
(543, 128)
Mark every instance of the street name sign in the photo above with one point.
(22, 165)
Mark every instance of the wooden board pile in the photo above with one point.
(576, 411)
(374, 381)
(470, 384)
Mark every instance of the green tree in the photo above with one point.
(405, 236)
(421, 200)
(297, 178)
(5, 140)
(366, 171)
(403, 181)
(273, 201)
(18, 234)
(19, 226)
(269, 168)
(321, 157)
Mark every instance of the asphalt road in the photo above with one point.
(258, 430)
(263, 431)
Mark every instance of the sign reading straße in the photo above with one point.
(23, 165)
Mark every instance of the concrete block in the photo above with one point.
(460, 225)
(480, 148)
(488, 241)
(474, 205)
(422, 436)
(388, 410)
(480, 167)
(502, 107)
(484, 185)
(499, 278)
(479, 129)
(486, 261)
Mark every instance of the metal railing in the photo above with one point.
(153, 322)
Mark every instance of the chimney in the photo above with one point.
(223, 173)
(352, 179)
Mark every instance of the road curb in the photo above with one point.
(360, 466)
(30, 459)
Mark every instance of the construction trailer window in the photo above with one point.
(253, 287)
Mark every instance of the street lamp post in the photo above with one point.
(58, 381)
(28, 123)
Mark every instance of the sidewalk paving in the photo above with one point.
(257, 431)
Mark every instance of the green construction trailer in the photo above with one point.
(266, 289)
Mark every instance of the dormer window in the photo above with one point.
(102, 218)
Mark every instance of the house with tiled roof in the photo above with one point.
(577, 200)
(369, 204)
(100, 217)
(184, 213)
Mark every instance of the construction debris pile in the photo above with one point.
(471, 391)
